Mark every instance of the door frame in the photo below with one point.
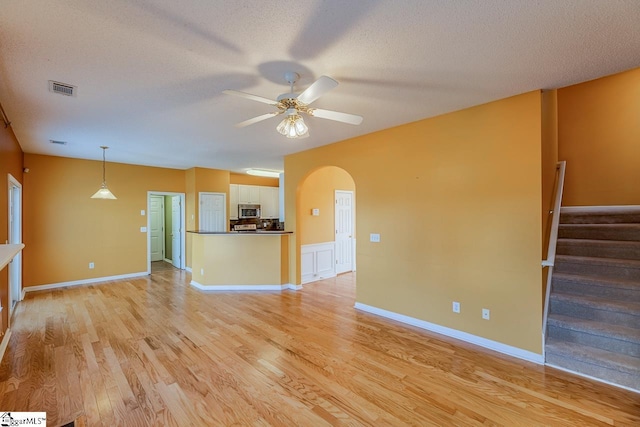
(14, 210)
(183, 228)
(225, 221)
(353, 225)
(172, 260)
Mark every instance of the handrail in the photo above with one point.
(553, 239)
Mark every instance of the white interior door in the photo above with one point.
(175, 231)
(15, 236)
(156, 215)
(213, 212)
(344, 231)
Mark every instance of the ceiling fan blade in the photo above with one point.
(257, 119)
(352, 119)
(321, 86)
(250, 96)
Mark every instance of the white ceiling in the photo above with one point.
(150, 72)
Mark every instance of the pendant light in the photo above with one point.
(103, 192)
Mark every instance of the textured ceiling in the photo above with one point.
(150, 72)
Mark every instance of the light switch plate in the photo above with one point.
(374, 237)
(143, 229)
(315, 212)
(142, 212)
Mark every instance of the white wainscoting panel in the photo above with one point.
(317, 261)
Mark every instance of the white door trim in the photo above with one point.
(14, 210)
(183, 231)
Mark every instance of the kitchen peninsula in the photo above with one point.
(223, 261)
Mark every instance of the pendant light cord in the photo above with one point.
(104, 167)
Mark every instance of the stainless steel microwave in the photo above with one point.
(248, 211)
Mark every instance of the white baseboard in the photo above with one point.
(83, 282)
(245, 287)
(188, 269)
(5, 343)
(168, 260)
(454, 333)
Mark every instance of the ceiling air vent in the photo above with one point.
(62, 88)
(53, 141)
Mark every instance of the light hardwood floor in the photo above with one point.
(155, 351)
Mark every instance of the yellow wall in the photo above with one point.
(456, 199)
(202, 180)
(10, 163)
(549, 162)
(65, 230)
(599, 137)
(246, 179)
(318, 191)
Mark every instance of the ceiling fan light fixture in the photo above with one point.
(293, 126)
(301, 127)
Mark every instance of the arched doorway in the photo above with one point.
(326, 221)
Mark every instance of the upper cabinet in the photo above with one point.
(249, 194)
(281, 197)
(233, 201)
(269, 202)
(266, 197)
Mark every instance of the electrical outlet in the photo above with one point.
(202, 271)
(456, 307)
(91, 265)
(374, 237)
(486, 313)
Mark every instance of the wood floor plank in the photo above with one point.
(154, 351)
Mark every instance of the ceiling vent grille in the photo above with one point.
(62, 88)
(53, 141)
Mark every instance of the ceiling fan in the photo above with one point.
(292, 105)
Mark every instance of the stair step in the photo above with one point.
(600, 231)
(614, 338)
(615, 289)
(596, 308)
(613, 367)
(628, 269)
(600, 214)
(620, 249)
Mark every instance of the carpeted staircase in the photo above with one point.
(594, 315)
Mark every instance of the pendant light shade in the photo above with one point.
(103, 192)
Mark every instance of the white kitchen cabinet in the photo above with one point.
(267, 197)
(233, 201)
(248, 194)
(269, 202)
(281, 198)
